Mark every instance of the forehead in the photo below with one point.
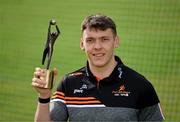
(94, 32)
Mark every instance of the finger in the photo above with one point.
(37, 69)
(37, 74)
(41, 82)
(35, 80)
(37, 85)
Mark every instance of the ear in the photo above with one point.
(117, 42)
(82, 44)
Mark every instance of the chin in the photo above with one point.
(98, 64)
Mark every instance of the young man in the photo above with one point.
(104, 90)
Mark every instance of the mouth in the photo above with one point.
(98, 54)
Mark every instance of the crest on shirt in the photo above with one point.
(121, 91)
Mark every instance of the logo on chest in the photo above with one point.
(81, 89)
(121, 91)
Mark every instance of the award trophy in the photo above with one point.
(48, 51)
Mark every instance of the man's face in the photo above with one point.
(99, 46)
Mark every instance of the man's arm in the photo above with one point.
(42, 113)
(151, 113)
(38, 82)
(150, 109)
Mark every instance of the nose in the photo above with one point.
(97, 44)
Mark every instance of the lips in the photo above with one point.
(98, 54)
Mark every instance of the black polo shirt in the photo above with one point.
(123, 96)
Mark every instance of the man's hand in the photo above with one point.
(39, 82)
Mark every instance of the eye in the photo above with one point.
(105, 39)
(90, 40)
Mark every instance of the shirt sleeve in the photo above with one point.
(149, 103)
(58, 108)
(151, 113)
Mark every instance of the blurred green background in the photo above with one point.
(150, 43)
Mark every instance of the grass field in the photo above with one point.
(150, 44)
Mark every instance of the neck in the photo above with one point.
(103, 71)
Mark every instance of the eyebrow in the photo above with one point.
(98, 37)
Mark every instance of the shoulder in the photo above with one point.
(132, 75)
(138, 81)
(74, 76)
(144, 89)
(70, 80)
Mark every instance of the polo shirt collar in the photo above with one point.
(116, 73)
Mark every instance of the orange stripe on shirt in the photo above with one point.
(80, 98)
(60, 93)
(82, 102)
(73, 98)
(58, 96)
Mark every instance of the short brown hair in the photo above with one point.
(100, 22)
